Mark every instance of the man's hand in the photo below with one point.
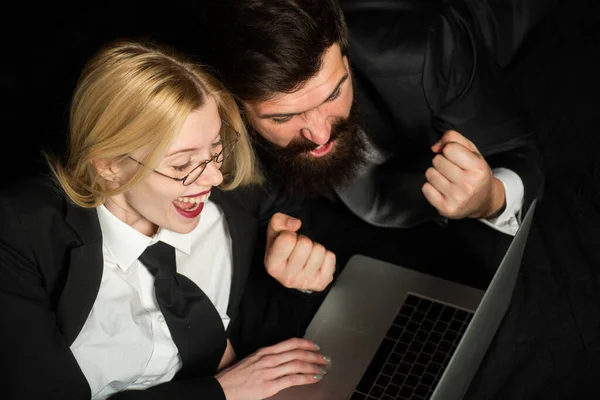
(228, 357)
(460, 183)
(295, 260)
(271, 369)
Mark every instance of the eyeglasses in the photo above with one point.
(195, 173)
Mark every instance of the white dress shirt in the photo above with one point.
(509, 221)
(125, 342)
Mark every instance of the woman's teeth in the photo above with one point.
(196, 200)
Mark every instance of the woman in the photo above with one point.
(119, 277)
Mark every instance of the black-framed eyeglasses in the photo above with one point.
(197, 171)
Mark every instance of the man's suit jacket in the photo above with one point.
(421, 68)
(50, 271)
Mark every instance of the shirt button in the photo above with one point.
(161, 319)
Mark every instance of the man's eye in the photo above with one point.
(282, 120)
(335, 95)
(181, 167)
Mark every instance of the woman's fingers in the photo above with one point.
(287, 381)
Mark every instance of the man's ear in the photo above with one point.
(107, 169)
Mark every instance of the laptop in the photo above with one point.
(396, 333)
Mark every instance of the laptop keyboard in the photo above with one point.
(415, 352)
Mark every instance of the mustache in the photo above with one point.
(302, 145)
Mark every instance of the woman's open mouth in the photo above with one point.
(191, 206)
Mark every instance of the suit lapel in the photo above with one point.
(84, 274)
(242, 228)
(85, 262)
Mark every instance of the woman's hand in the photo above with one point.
(271, 369)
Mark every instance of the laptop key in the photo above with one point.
(421, 336)
(440, 327)
(406, 392)
(394, 332)
(461, 315)
(427, 379)
(417, 369)
(434, 311)
(435, 337)
(433, 368)
(412, 327)
(392, 390)
(406, 310)
(389, 369)
(411, 300)
(395, 358)
(416, 347)
(401, 320)
(423, 358)
(377, 392)
(427, 325)
(421, 390)
(398, 379)
(412, 380)
(447, 314)
(439, 357)
(450, 336)
(406, 337)
(383, 380)
(429, 348)
(424, 305)
(418, 316)
(401, 348)
(358, 396)
(410, 357)
(444, 346)
(455, 326)
(404, 368)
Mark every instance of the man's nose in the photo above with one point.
(317, 129)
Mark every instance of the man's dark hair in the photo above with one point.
(264, 47)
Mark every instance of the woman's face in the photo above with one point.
(158, 201)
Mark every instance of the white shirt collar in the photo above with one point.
(126, 244)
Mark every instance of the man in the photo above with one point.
(393, 122)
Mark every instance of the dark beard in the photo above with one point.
(300, 173)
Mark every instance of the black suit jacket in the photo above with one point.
(50, 271)
(421, 68)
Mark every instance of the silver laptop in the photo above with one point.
(395, 333)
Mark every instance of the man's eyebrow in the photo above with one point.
(284, 115)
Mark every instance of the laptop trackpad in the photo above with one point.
(350, 351)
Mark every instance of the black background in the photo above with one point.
(548, 346)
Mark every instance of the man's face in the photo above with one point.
(309, 138)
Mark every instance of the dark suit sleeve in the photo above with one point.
(199, 388)
(422, 68)
(270, 313)
(36, 360)
(467, 91)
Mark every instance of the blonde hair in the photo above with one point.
(132, 95)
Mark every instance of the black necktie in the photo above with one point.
(195, 325)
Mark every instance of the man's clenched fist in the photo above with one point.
(295, 260)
